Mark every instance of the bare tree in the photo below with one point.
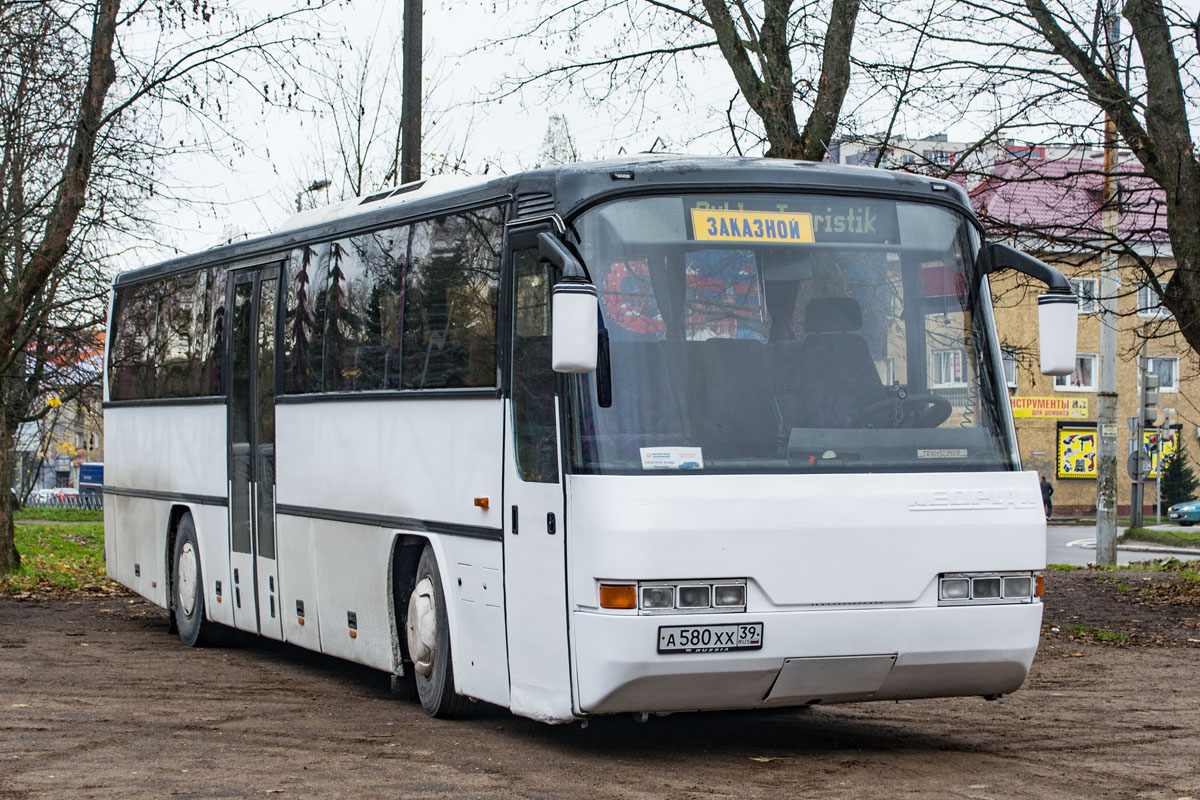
(83, 149)
(1150, 112)
(784, 55)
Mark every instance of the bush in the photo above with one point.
(1178, 480)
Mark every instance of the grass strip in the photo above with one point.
(59, 560)
(1169, 538)
(61, 514)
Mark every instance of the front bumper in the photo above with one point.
(826, 656)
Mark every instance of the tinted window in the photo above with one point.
(408, 307)
(304, 327)
(533, 382)
(167, 338)
(450, 295)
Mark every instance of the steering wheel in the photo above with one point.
(913, 411)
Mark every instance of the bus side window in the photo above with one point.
(451, 288)
(533, 382)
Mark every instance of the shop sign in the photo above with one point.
(1050, 407)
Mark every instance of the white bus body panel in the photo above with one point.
(836, 566)
(420, 459)
(172, 449)
(298, 570)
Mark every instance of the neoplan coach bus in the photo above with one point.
(654, 435)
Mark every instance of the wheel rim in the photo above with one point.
(188, 578)
(422, 627)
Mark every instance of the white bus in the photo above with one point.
(759, 455)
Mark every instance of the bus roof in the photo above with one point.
(564, 191)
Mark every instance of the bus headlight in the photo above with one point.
(955, 589)
(695, 596)
(729, 595)
(658, 597)
(1018, 586)
(986, 588)
(704, 596)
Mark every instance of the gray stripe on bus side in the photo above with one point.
(385, 521)
(152, 494)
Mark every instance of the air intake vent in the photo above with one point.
(374, 197)
(533, 204)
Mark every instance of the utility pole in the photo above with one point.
(1138, 489)
(1106, 411)
(410, 103)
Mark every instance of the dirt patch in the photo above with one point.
(98, 701)
(1125, 607)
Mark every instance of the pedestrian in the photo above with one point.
(1047, 495)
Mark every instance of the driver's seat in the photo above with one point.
(829, 379)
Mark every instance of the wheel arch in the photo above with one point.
(176, 514)
(402, 572)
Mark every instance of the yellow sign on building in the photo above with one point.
(1077, 452)
(1155, 453)
(1050, 407)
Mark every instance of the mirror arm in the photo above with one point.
(552, 249)
(1000, 256)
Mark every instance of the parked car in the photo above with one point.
(1185, 513)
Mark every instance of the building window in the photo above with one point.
(1148, 302)
(1008, 357)
(1167, 370)
(946, 368)
(887, 370)
(1087, 290)
(1083, 379)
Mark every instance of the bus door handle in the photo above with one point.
(514, 520)
(551, 526)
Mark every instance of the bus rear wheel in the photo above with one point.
(427, 634)
(187, 588)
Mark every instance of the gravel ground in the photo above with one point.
(98, 701)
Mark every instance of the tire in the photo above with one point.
(187, 588)
(427, 634)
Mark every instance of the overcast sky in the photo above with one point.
(254, 189)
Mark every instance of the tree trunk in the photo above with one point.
(9, 558)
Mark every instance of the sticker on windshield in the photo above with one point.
(672, 458)
(773, 227)
(951, 453)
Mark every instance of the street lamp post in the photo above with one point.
(315, 186)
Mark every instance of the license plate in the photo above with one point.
(710, 638)
(1173, 516)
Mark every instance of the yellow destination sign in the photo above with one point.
(717, 225)
(1050, 407)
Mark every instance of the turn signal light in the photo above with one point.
(1041, 585)
(618, 595)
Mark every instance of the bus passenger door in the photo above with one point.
(255, 590)
(535, 592)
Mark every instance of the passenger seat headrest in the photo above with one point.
(832, 315)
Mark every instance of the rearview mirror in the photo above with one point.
(1058, 309)
(573, 309)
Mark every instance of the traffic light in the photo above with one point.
(1150, 398)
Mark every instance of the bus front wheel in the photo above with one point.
(187, 588)
(427, 634)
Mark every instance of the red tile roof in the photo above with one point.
(1063, 199)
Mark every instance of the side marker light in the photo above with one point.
(618, 595)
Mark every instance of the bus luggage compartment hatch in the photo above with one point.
(831, 678)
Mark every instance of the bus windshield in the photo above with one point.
(787, 333)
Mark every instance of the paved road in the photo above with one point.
(1076, 545)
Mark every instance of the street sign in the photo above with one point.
(1132, 465)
